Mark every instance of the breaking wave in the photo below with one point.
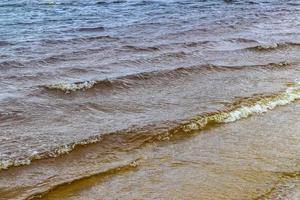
(237, 110)
(129, 80)
(69, 87)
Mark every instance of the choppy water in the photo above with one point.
(107, 81)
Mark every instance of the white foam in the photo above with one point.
(5, 164)
(261, 105)
(290, 95)
(71, 87)
(268, 46)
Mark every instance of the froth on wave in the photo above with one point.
(242, 109)
(130, 80)
(237, 110)
(71, 87)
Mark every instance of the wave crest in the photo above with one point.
(129, 80)
(71, 87)
(114, 170)
(274, 46)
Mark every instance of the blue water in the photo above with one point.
(35, 20)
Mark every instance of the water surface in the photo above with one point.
(108, 81)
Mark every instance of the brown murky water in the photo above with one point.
(149, 99)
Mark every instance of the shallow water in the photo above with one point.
(104, 84)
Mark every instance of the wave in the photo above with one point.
(146, 3)
(10, 115)
(285, 179)
(130, 80)
(237, 110)
(71, 87)
(41, 3)
(91, 29)
(139, 49)
(284, 188)
(80, 39)
(83, 29)
(198, 43)
(274, 46)
(119, 169)
(74, 55)
(242, 40)
(111, 2)
(244, 108)
(124, 81)
(10, 64)
(4, 43)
